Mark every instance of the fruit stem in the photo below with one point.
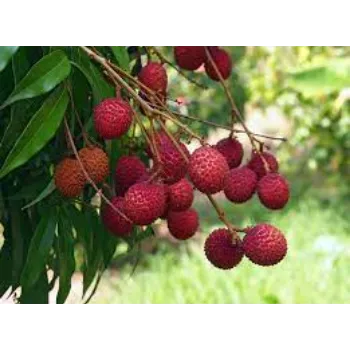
(163, 59)
(234, 110)
(87, 176)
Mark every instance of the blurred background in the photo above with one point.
(302, 93)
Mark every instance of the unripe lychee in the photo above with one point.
(128, 171)
(257, 164)
(207, 169)
(115, 222)
(112, 117)
(223, 62)
(172, 165)
(154, 76)
(69, 177)
(189, 57)
(96, 163)
(144, 203)
(265, 245)
(232, 150)
(180, 195)
(273, 191)
(183, 224)
(240, 184)
(222, 250)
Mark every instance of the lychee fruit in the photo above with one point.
(112, 117)
(69, 177)
(113, 221)
(172, 164)
(144, 203)
(207, 169)
(183, 224)
(189, 57)
(222, 250)
(240, 184)
(128, 171)
(154, 76)
(180, 195)
(265, 245)
(232, 150)
(273, 191)
(223, 62)
(257, 164)
(96, 163)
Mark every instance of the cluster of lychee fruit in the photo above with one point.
(164, 187)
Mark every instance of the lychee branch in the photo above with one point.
(229, 128)
(87, 176)
(163, 59)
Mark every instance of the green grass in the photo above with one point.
(316, 269)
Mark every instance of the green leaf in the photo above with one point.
(41, 128)
(39, 249)
(6, 52)
(38, 293)
(332, 76)
(46, 192)
(100, 88)
(122, 56)
(65, 256)
(42, 78)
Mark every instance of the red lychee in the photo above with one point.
(257, 164)
(180, 195)
(128, 171)
(221, 249)
(207, 169)
(112, 117)
(232, 150)
(144, 203)
(154, 76)
(273, 191)
(96, 162)
(240, 184)
(115, 222)
(183, 224)
(265, 245)
(189, 57)
(69, 177)
(172, 164)
(223, 62)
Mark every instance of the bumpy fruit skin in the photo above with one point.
(240, 185)
(265, 245)
(173, 165)
(257, 165)
(144, 203)
(128, 171)
(223, 62)
(69, 177)
(113, 221)
(232, 150)
(222, 251)
(112, 117)
(207, 169)
(183, 224)
(96, 163)
(273, 191)
(189, 57)
(154, 76)
(180, 195)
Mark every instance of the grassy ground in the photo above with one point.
(316, 269)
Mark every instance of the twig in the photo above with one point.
(87, 176)
(165, 60)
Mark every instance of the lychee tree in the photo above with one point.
(92, 154)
